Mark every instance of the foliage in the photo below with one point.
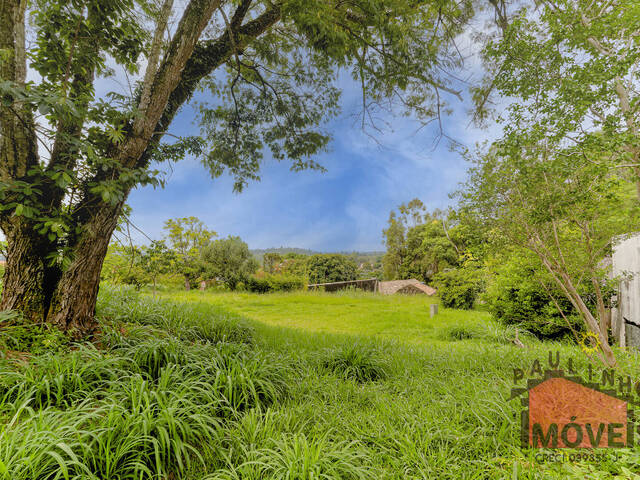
(420, 244)
(271, 70)
(21, 335)
(156, 259)
(394, 237)
(570, 70)
(229, 261)
(331, 267)
(519, 293)
(557, 182)
(459, 287)
(138, 266)
(361, 363)
(188, 237)
(274, 283)
(561, 207)
(287, 263)
(122, 266)
(270, 262)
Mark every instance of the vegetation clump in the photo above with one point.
(361, 363)
(144, 406)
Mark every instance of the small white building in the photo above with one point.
(625, 265)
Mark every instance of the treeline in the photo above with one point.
(190, 255)
(549, 197)
(440, 248)
(471, 264)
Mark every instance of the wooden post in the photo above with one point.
(433, 310)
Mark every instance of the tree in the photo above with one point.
(122, 265)
(229, 260)
(571, 70)
(394, 239)
(188, 236)
(157, 259)
(565, 209)
(270, 262)
(420, 244)
(270, 67)
(429, 251)
(331, 267)
(413, 213)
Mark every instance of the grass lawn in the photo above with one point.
(397, 317)
(443, 411)
(305, 386)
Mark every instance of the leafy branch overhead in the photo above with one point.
(263, 74)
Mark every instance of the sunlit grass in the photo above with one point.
(301, 386)
(400, 317)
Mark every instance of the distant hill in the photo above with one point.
(259, 252)
(359, 257)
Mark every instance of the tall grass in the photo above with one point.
(356, 361)
(177, 391)
(187, 321)
(151, 404)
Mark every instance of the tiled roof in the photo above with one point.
(394, 286)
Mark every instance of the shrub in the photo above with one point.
(462, 332)
(20, 335)
(515, 297)
(274, 283)
(357, 362)
(459, 287)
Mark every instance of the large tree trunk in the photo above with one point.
(23, 281)
(73, 302)
(67, 297)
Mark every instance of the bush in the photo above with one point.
(24, 336)
(515, 297)
(462, 332)
(459, 288)
(274, 283)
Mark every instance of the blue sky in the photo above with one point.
(343, 209)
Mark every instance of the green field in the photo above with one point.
(442, 411)
(404, 317)
(305, 386)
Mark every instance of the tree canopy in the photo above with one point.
(71, 153)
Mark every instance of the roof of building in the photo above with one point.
(394, 286)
